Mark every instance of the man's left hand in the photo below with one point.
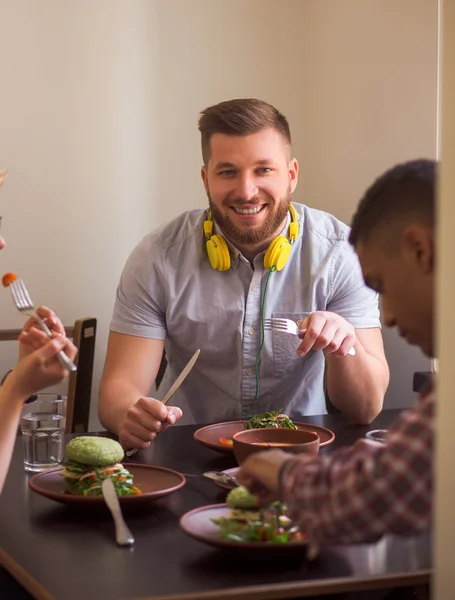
(328, 332)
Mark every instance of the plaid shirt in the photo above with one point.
(357, 494)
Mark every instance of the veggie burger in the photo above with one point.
(89, 460)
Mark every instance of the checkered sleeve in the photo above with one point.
(359, 493)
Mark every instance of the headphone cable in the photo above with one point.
(261, 345)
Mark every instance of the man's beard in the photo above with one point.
(256, 235)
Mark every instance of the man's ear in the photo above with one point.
(418, 244)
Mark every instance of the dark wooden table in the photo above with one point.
(59, 552)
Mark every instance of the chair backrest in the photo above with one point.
(83, 334)
(161, 370)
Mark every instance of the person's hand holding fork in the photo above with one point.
(326, 331)
(32, 337)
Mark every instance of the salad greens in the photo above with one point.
(273, 418)
(86, 481)
(270, 526)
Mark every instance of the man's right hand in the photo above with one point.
(144, 420)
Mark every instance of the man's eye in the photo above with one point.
(265, 170)
(226, 173)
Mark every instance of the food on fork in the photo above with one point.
(246, 523)
(89, 460)
(272, 419)
(8, 279)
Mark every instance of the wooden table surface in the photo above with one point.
(68, 553)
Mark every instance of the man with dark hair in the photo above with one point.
(209, 279)
(357, 494)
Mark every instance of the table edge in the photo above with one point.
(23, 577)
(313, 587)
(255, 592)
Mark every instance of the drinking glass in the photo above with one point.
(43, 424)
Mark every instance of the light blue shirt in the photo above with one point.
(168, 291)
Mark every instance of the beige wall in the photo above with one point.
(369, 78)
(99, 108)
(78, 132)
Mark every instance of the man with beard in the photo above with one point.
(209, 278)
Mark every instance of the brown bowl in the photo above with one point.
(296, 441)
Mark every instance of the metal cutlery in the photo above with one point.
(288, 326)
(25, 305)
(221, 477)
(174, 387)
(123, 535)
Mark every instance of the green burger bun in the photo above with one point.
(94, 451)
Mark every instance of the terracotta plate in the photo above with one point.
(197, 524)
(209, 435)
(155, 482)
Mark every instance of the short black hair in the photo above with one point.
(404, 193)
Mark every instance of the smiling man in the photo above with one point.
(358, 494)
(208, 278)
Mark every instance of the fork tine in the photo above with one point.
(14, 293)
(20, 294)
(25, 293)
(19, 297)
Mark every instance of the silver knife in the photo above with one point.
(123, 535)
(174, 387)
(181, 378)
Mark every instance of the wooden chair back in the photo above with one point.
(83, 334)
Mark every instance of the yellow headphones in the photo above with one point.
(277, 253)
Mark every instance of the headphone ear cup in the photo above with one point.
(278, 253)
(218, 253)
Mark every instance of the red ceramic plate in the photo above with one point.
(197, 524)
(154, 482)
(209, 435)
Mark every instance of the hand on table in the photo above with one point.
(328, 332)
(144, 420)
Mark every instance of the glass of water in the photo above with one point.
(43, 423)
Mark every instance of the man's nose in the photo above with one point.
(246, 188)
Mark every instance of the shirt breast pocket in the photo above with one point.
(285, 358)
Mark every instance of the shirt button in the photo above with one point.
(253, 287)
(251, 330)
(249, 372)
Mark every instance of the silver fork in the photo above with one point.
(24, 305)
(288, 326)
